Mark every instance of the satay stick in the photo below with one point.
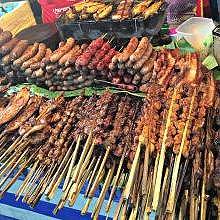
(84, 166)
(170, 203)
(130, 181)
(27, 179)
(183, 205)
(13, 167)
(57, 174)
(82, 157)
(45, 184)
(105, 187)
(162, 153)
(151, 190)
(9, 165)
(92, 176)
(135, 210)
(31, 183)
(73, 196)
(24, 165)
(51, 193)
(11, 148)
(38, 187)
(203, 196)
(89, 200)
(93, 188)
(118, 209)
(192, 198)
(74, 157)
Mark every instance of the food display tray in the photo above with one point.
(91, 29)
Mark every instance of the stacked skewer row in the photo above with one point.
(116, 10)
(73, 66)
(158, 147)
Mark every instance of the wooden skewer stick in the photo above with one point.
(4, 164)
(25, 182)
(135, 210)
(151, 190)
(14, 166)
(9, 165)
(73, 161)
(93, 188)
(130, 181)
(82, 157)
(45, 184)
(170, 203)
(73, 196)
(116, 181)
(86, 206)
(92, 176)
(183, 205)
(31, 185)
(25, 164)
(118, 209)
(51, 194)
(11, 148)
(203, 196)
(38, 187)
(84, 166)
(105, 187)
(162, 154)
(59, 170)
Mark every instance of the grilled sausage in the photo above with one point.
(19, 49)
(57, 54)
(7, 47)
(139, 52)
(148, 65)
(129, 50)
(46, 59)
(144, 58)
(28, 54)
(38, 57)
(5, 37)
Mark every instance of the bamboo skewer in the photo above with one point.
(28, 177)
(31, 183)
(11, 148)
(84, 166)
(118, 209)
(86, 206)
(170, 203)
(73, 196)
(162, 154)
(52, 191)
(92, 176)
(17, 175)
(105, 187)
(73, 161)
(151, 193)
(203, 195)
(4, 164)
(92, 191)
(13, 167)
(57, 174)
(82, 157)
(129, 184)
(9, 165)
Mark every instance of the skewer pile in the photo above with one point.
(160, 146)
(74, 66)
(117, 10)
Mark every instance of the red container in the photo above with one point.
(52, 9)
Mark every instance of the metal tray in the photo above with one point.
(91, 29)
